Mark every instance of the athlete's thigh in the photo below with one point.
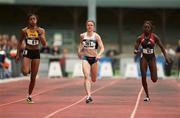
(153, 68)
(35, 66)
(26, 64)
(86, 68)
(143, 66)
(94, 70)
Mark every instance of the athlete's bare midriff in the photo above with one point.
(32, 47)
(89, 52)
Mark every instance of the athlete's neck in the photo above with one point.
(147, 34)
(32, 26)
(90, 33)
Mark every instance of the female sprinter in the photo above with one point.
(33, 35)
(90, 41)
(147, 40)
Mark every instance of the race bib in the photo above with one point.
(89, 44)
(32, 42)
(148, 51)
(25, 52)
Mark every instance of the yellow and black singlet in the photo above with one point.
(32, 37)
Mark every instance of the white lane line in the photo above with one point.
(41, 92)
(137, 103)
(5, 104)
(75, 103)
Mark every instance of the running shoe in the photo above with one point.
(29, 100)
(147, 99)
(89, 100)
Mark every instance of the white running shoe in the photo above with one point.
(147, 99)
(29, 100)
(89, 99)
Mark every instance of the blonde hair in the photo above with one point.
(92, 21)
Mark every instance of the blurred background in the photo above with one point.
(119, 23)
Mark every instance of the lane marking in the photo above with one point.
(137, 103)
(5, 104)
(75, 103)
(43, 91)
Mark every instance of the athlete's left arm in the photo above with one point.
(101, 46)
(159, 43)
(42, 37)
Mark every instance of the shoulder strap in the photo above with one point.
(142, 37)
(152, 38)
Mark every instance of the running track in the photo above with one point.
(113, 98)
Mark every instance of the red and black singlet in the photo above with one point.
(148, 44)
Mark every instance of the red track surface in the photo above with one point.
(113, 98)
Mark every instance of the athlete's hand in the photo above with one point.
(80, 55)
(168, 60)
(98, 57)
(136, 51)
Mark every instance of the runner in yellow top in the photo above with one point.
(33, 36)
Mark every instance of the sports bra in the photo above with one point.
(147, 44)
(32, 37)
(90, 42)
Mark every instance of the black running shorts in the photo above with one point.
(31, 54)
(91, 60)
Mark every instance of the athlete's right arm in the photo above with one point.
(138, 42)
(80, 46)
(22, 36)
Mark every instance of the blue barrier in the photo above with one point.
(103, 60)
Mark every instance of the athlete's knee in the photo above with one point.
(25, 72)
(85, 77)
(154, 79)
(94, 79)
